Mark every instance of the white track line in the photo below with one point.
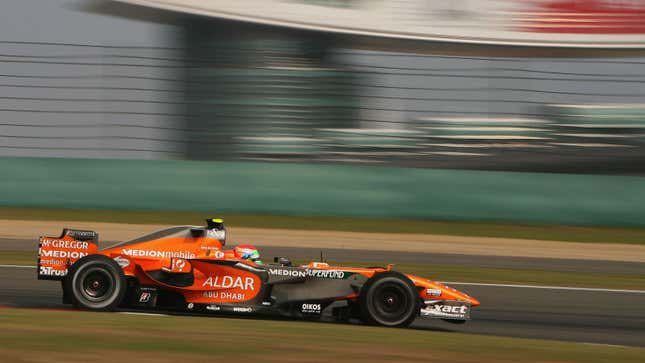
(607, 345)
(142, 314)
(546, 287)
(483, 284)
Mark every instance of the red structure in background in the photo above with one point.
(586, 17)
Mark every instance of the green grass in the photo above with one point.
(36, 335)
(456, 273)
(23, 258)
(487, 229)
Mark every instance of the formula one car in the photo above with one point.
(187, 268)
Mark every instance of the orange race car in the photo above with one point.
(187, 268)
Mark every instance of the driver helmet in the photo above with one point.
(247, 252)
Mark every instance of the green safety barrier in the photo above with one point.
(316, 189)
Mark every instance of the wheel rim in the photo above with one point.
(391, 302)
(97, 284)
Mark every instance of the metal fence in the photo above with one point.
(553, 114)
(77, 100)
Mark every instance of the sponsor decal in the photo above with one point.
(311, 308)
(52, 262)
(218, 253)
(157, 254)
(62, 254)
(287, 272)
(223, 295)
(190, 306)
(242, 309)
(48, 271)
(210, 294)
(323, 274)
(122, 261)
(147, 296)
(62, 243)
(219, 234)
(213, 308)
(231, 296)
(450, 309)
(229, 282)
(433, 292)
(144, 297)
(178, 264)
(266, 303)
(447, 310)
(81, 234)
(326, 274)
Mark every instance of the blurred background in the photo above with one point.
(476, 142)
(521, 111)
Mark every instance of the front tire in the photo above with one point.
(389, 299)
(96, 282)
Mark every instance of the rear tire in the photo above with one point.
(96, 282)
(389, 299)
(63, 285)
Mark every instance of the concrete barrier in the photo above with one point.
(316, 189)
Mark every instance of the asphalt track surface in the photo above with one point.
(331, 254)
(592, 316)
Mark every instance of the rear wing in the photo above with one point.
(57, 254)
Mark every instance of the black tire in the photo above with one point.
(389, 299)
(96, 282)
(66, 298)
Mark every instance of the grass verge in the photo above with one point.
(352, 224)
(33, 335)
(456, 273)
(22, 258)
